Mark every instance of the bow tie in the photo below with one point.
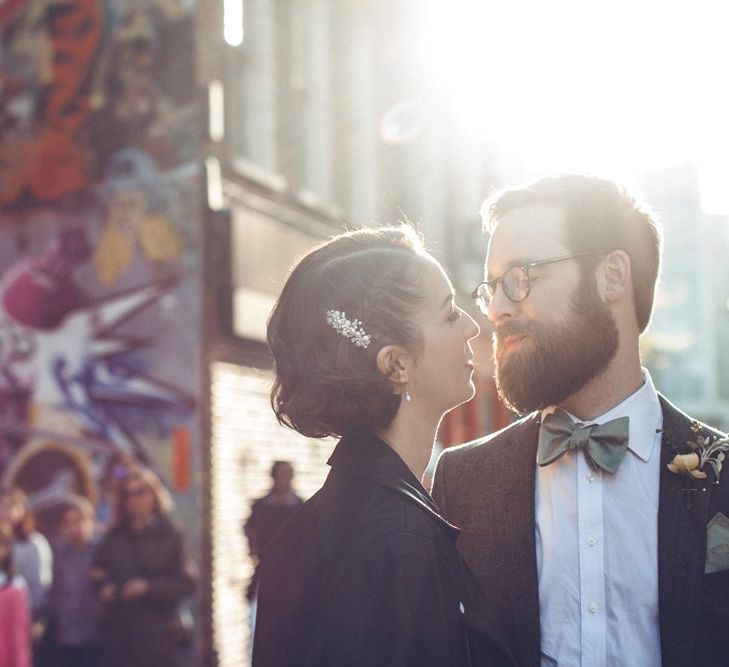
(604, 444)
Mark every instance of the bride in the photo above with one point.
(370, 347)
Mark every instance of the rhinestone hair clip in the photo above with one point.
(350, 329)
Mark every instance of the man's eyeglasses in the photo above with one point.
(515, 281)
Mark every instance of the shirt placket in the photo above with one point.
(593, 618)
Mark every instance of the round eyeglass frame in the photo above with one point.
(486, 290)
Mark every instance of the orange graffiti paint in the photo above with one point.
(181, 458)
(54, 160)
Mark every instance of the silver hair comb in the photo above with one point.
(350, 329)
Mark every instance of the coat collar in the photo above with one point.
(370, 458)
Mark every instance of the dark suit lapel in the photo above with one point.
(520, 559)
(682, 518)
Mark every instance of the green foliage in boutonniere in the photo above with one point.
(705, 450)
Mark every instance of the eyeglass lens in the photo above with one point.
(515, 283)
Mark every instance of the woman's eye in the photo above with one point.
(455, 315)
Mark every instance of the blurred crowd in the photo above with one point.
(104, 588)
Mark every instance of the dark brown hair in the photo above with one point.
(145, 476)
(278, 465)
(599, 217)
(326, 385)
(23, 528)
(78, 504)
(6, 553)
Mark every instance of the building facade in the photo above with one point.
(319, 121)
(685, 344)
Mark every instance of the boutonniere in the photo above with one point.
(705, 450)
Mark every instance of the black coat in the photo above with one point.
(140, 633)
(365, 573)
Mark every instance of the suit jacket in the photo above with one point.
(487, 488)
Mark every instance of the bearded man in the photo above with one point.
(597, 524)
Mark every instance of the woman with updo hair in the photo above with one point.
(369, 347)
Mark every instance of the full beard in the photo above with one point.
(557, 361)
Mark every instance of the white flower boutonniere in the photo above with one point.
(710, 450)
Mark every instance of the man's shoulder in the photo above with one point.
(491, 444)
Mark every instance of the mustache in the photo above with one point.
(511, 329)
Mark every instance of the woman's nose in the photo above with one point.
(471, 327)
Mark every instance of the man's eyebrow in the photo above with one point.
(519, 261)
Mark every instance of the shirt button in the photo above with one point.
(591, 541)
(590, 477)
(461, 608)
(593, 608)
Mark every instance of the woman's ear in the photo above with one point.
(614, 276)
(395, 362)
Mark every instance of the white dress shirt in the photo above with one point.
(597, 548)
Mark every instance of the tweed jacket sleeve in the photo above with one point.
(486, 488)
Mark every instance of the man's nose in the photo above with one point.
(500, 306)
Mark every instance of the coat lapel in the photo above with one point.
(682, 519)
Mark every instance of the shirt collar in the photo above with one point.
(643, 409)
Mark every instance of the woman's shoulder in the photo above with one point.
(170, 526)
(34, 543)
(164, 532)
(39, 541)
(396, 556)
(387, 516)
(16, 582)
(114, 531)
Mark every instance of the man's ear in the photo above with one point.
(614, 279)
(395, 362)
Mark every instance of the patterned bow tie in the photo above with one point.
(604, 444)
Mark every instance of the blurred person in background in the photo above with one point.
(14, 606)
(32, 556)
(369, 346)
(74, 609)
(598, 521)
(142, 575)
(115, 470)
(267, 515)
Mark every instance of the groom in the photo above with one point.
(593, 544)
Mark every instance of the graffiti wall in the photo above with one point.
(99, 248)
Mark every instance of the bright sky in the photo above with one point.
(610, 87)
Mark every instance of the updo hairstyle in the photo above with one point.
(325, 384)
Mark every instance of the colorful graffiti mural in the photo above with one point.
(82, 79)
(99, 247)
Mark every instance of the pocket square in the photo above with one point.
(717, 544)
